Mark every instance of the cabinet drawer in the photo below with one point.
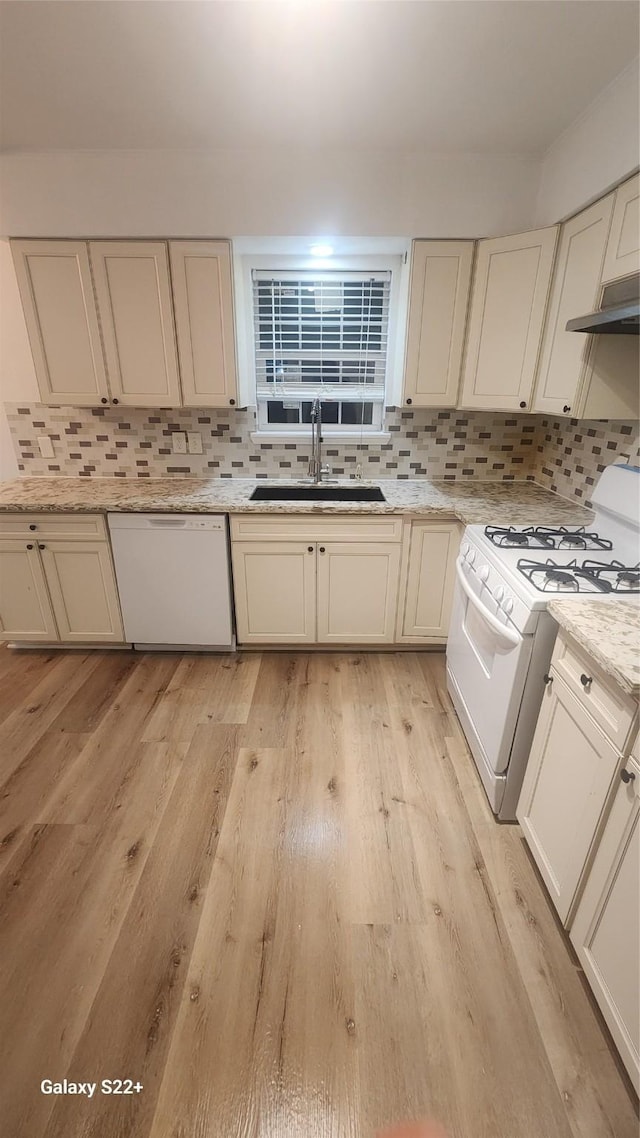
(306, 527)
(612, 710)
(53, 525)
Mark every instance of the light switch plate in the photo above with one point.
(179, 442)
(46, 446)
(194, 442)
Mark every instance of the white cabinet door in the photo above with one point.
(203, 302)
(606, 929)
(275, 592)
(134, 301)
(56, 289)
(575, 290)
(565, 788)
(25, 608)
(83, 592)
(623, 249)
(438, 301)
(508, 303)
(429, 574)
(357, 592)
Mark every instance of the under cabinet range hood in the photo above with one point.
(619, 312)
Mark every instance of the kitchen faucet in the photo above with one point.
(316, 469)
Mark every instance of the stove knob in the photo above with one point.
(508, 604)
(464, 548)
(471, 556)
(499, 595)
(483, 572)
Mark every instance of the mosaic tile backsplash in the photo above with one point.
(565, 455)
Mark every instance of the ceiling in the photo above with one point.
(456, 76)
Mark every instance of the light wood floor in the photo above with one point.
(269, 888)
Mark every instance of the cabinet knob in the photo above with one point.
(115, 400)
(548, 679)
(409, 401)
(41, 546)
(104, 400)
(232, 402)
(322, 549)
(30, 547)
(566, 407)
(33, 526)
(627, 776)
(309, 549)
(585, 680)
(523, 404)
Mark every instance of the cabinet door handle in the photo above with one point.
(566, 407)
(232, 402)
(41, 546)
(627, 776)
(409, 402)
(32, 527)
(547, 679)
(585, 680)
(30, 547)
(309, 549)
(523, 404)
(103, 400)
(115, 400)
(322, 549)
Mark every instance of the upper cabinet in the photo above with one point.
(508, 304)
(134, 301)
(623, 248)
(54, 278)
(100, 318)
(439, 297)
(203, 301)
(575, 290)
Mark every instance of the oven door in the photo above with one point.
(488, 660)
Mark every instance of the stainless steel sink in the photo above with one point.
(317, 494)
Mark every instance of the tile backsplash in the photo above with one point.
(565, 455)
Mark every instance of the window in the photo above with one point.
(320, 334)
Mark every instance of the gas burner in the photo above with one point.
(545, 537)
(612, 577)
(549, 577)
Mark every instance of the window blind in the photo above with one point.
(321, 333)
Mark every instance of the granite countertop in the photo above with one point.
(502, 503)
(609, 630)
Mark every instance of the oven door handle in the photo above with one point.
(512, 638)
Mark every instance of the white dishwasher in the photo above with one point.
(173, 579)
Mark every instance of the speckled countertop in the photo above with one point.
(609, 630)
(502, 503)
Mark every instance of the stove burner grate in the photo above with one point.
(545, 537)
(612, 576)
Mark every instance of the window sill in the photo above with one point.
(327, 436)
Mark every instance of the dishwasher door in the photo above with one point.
(173, 579)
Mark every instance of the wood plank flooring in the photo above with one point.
(269, 888)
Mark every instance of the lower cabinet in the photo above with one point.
(57, 589)
(606, 928)
(301, 580)
(429, 556)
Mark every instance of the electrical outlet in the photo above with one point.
(194, 442)
(46, 446)
(179, 442)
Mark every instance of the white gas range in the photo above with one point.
(501, 636)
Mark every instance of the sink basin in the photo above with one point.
(317, 494)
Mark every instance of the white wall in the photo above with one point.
(233, 193)
(601, 148)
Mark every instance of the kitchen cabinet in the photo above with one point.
(575, 290)
(508, 302)
(25, 606)
(56, 289)
(571, 769)
(606, 929)
(133, 291)
(428, 574)
(623, 248)
(321, 581)
(203, 301)
(57, 585)
(438, 301)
